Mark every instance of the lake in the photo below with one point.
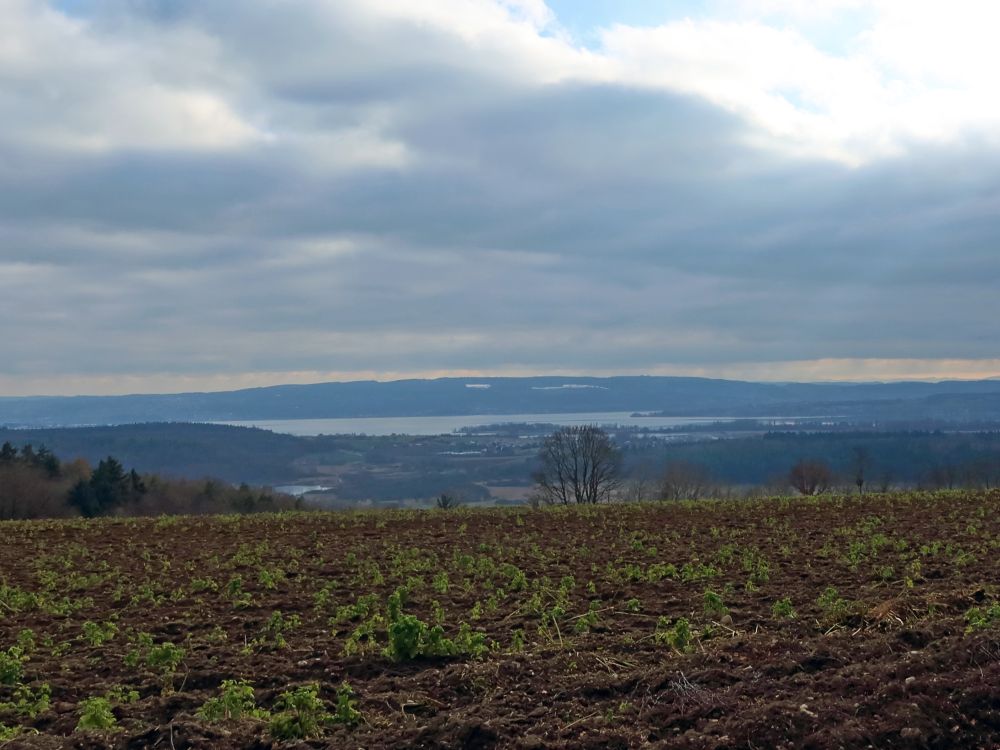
(448, 425)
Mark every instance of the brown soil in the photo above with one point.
(885, 661)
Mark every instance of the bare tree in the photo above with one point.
(885, 480)
(810, 477)
(635, 489)
(578, 465)
(983, 472)
(684, 480)
(861, 462)
(942, 476)
(641, 483)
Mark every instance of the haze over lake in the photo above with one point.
(447, 425)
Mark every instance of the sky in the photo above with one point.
(212, 195)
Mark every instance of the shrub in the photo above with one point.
(810, 477)
(447, 501)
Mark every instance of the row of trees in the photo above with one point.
(43, 459)
(35, 484)
(583, 465)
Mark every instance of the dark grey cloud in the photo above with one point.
(398, 197)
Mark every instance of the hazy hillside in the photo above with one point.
(454, 396)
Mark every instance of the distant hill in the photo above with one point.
(498, 396)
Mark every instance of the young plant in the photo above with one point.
(95, 714)
(835, 608)
(97, 635)
(235, 701)
(981, 618)
(165, 658)
(26, 640)
(517, 640)
(589, 620)
(410, 638)
(347, 712)
(121, 695)
(9, 734)
(29, 702)
(783, 609)
(273, 634)
(301, 714)
(677, 634)
(714, 606)
(440, 583)
(466, 643)
(12, 665)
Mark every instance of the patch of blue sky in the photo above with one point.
(73, 7)
(163, 10)
(836, 33)
(585, 18)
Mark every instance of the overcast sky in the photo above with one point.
(208, 195)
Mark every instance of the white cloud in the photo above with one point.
(916, 72)
(70, 89)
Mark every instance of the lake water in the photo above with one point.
(447, 425)
(297, 490)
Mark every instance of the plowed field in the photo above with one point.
(813, 623)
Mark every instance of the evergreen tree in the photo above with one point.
(8, 453)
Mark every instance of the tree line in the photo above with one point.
(582, 465)
(34, 483)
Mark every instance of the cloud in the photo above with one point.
(916, 73)
(76, 91)
(205, 191)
